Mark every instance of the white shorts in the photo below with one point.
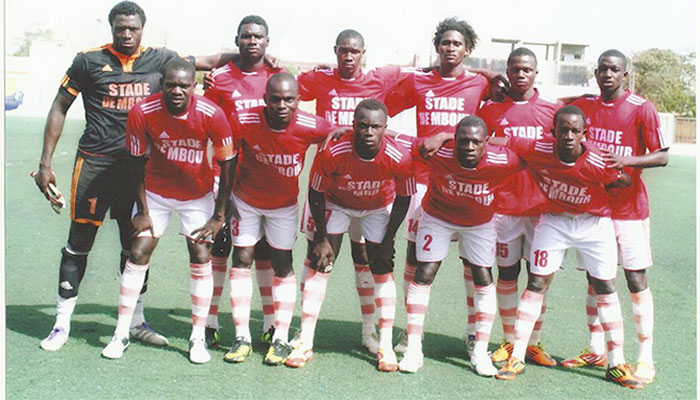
(477, 244)
(633, 244)
(415, 210)
(593, 238)
(308, 227)
(514, 238)
(372, 223)
(277, 225)
(193, 213)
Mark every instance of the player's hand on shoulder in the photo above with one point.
(430, 145)
(272, 61)
(209, 82)
(612, 160)
(140, 223)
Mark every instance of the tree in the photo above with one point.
(667, 79)
(29, 38)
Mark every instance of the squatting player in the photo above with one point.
(626, 128)
(523, 113)
(167, 135)
(464, 175)
(442, 97)
(112, 78)
(239, 86)
(337, 92)
(365, 178)
(573, 175)
(273, 141)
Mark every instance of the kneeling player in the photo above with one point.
(174, 128)
(574, 177)
(464, 175)
(360, 175)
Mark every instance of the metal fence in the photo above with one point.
(685, 130)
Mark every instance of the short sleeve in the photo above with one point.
(307, 88)
(405, 177)
(136, 140)
(318, 177)
(402, 96)
(74, 79)
(650, 125)
(520, 146)
(221, 137)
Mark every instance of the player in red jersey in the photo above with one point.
(239, 86)
(442, 97)
(337, 92)
(273, 142)
(574, 176)
(167, 135)
(626, 128)
(111, 78)
(464, 175)
(365, 178)
(524, 113)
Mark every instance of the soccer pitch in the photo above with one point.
(341, 368)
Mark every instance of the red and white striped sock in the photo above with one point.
(385, 300)
(596, 341)
(485, 305)
(201, 288)
(408, 273)
(312, 299)
(264, 274)
(129, 290)
(507, 294)
(611, 318)
(643, 309)
(241, 292)
(284, 295)
(218, 273)
(307, 266)
(416, 308)
(536, 336)
(469, 286)
(528, 312)
(365, 290)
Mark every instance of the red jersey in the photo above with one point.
(440, 103)
(352, 182)
(236, 90)
(177, 144)
(531, 119)
(459, 195)
(271, 160)
(574, 188)
(627, 126)
(336, 98)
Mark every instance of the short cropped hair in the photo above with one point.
(454, 24)
(253, 19)
(472, 121)
(519, 52)
(178, 63)
(371, 105)
(350, 33)
(570, 110)
(127, 8)
(614, 53)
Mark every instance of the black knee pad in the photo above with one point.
(71, 274)
(222, 242)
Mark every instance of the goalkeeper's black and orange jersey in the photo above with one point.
(111, 83)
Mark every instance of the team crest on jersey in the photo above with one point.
(235, 94)
(164, 135)
(430, 94)
(106, 68)
(504, 121)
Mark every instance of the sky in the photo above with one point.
(305, 30)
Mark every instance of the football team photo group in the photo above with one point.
(497, 175)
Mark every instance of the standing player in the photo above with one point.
(464, 175)
(337, 92)
(239, 86)
(626, 128)
(524, 113)
(273, 142)
(368, 180)
(171, 131)
(112, 78)
(574, 177)
(442, 97)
